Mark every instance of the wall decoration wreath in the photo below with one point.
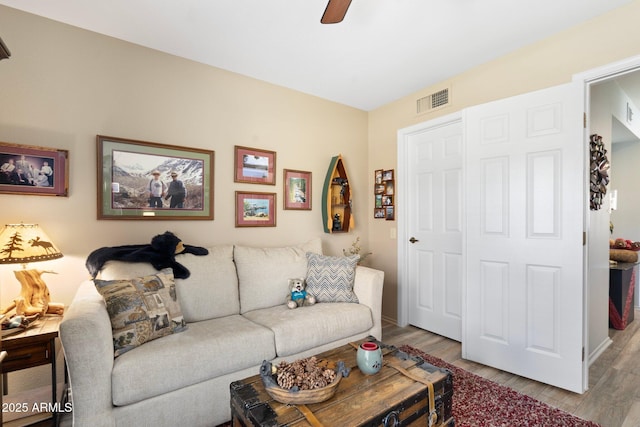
(599, 168)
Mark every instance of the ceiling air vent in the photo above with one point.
(431, 102)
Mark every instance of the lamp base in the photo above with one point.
(34, 295)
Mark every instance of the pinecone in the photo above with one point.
(329, 375)
(285, 380)
(305, 374)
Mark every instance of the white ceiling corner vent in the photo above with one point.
(433, 101)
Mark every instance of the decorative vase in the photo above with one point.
(369, 358)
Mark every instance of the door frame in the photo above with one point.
(401, 213)
(587, 78)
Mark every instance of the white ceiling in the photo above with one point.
(382, 51)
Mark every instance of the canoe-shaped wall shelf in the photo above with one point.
(336, 199)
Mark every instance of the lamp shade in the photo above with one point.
(25, 243)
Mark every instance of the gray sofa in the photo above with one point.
(234, 306)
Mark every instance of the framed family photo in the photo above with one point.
(254, 166)
(27, 169)
(255, 209)
(297, 189)
(147, 180)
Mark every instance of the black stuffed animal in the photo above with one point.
(161, 253)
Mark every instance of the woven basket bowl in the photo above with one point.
(303, 397)
(623, 255)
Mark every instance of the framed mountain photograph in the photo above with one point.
(147, 180)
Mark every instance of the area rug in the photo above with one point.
(479, 402)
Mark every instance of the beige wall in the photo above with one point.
(63, 86)
(553, 61)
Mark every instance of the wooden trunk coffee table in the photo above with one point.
(398, 395)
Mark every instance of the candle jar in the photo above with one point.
(369, 358)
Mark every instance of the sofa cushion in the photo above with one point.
(206, 350)
(141, 309)
(211, 291)
(264, 273)
(330, 279)
(303, 328)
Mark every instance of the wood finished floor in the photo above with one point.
(613, 398)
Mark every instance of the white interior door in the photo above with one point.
(524, 236)
(435, 218)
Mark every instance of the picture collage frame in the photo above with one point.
(384, 194)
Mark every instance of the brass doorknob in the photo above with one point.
(413, 240)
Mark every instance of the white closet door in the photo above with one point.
(435, 220)
(525, 199)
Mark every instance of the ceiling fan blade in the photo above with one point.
(335, 11)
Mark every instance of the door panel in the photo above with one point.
(435, 218)
(524, 260)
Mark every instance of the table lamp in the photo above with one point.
(23, 244)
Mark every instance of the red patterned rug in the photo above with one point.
(479, 402)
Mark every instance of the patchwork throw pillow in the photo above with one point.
(141, 309)
(330, 279)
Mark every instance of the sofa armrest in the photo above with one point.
(87, 340)
(368, 287)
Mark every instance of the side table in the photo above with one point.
(33, 347)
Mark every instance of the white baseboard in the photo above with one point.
(599, 350)
(386, 319)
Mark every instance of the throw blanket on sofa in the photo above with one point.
(160, 253)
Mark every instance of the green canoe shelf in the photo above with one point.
(336, 199)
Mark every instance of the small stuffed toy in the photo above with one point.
(161, 253)
(298, 297)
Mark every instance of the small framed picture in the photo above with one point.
(378, 201)
(379, 213)
(378, 176)
(40, 171)
(387, 200)
(390, 216)
(255, 209)
(379, 188)
(297, 189)
(387, 175)
(255, 166)
(388, 188)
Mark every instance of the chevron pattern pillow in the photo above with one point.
(330, 279)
